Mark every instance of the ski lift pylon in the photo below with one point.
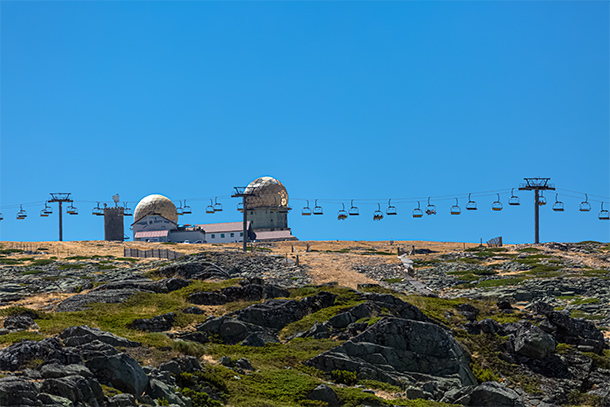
(514, 199)
(378, 215)
(585, 206)
(558, 205)
(603, 214)
(496, 205)
(391, 209)
(430, 209)
(471, 205)
(317, 210)
(455, 209)
(353, 210)
(306, 211)
(342, 214)
(417, 212)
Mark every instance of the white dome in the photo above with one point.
(156, 205)
(267, 192)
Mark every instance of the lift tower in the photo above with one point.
(536, 185)
(241, 192)
(60, 197)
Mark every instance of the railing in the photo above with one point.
(161, 253)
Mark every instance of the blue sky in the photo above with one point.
(338, 100)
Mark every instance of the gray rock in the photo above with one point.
(78, 335)
(493, 394)
(48, 350)
(19, 322)
(259, 339)
(17, 392)
(532, 342)
(397, 348)
(75, 388)
(158, 390)
(193, 310)
(325, 394)
(55, 401)
(208, 298)
(122, 400)
(122, 371)
(244, 364)
(342, 320)
(159, 323)
(81, 302)
(55, 370)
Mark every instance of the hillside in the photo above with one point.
(305, 324)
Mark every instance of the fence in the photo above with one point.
(495, 242)
(161, 253)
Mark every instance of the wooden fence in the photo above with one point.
(495, 242)
(161, 253)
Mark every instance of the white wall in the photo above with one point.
(152, 222)
(224, 237)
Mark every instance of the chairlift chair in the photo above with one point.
(455, 209)
(306, 211)
(471, 205)
(21, 214)
(342, 214)
(1, 217)
(353, 210)
(317, 210)
(497, 205)
(47, 209)
(417, 212)
(603, 214)
(97, 211)
(210, 207)
(240, 207)
(391, 209)
(217, 205)
(558, 205)
(430, 209)
(585, 206)
(186, 210)
(179, 209)
(72, 210)
(378, 215)
(514, 199)
(127, 210)
(541, 199)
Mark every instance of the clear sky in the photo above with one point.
(338, 100)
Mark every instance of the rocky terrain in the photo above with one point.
(474, 326)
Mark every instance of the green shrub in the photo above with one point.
(41, 262)
(189, 348)
(484, 375)
(344, 377)
(78, 258)
(501, 282)
(529, 250)
(200, 398)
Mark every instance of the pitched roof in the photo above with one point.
(275, 235)
(151, 233)
(224, 227)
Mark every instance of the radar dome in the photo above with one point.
(156, 205)
(267, 191)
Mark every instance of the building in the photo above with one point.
(156, 220)
(267, 206)
(228, 232)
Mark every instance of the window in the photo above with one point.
(222, 235)
(213, 236)
(232, 234)
(241, 234)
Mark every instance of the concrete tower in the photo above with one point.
(268, 206)
(114, 230)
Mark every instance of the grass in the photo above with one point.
(78, 258)
(501, 282)
(529, 250)
(10, 262)
(580, 301)
(581, 314)
(130, 259)
(596, 273)
(19, 336)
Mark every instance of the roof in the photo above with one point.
(275, 235)
(224, 227)
(154, 214)
(151, 233)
